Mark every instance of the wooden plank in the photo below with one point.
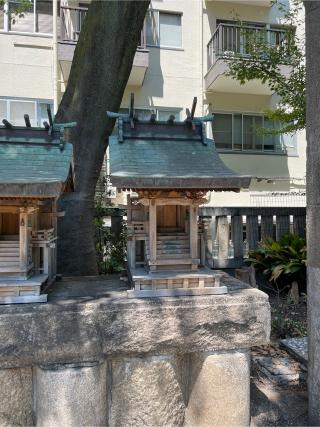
(237, 236)
(282, 225)
(223, 236)
(24, 239)
(299, 225)
(227, 263)
(266, 226)
(23, 299)
(252, 227)
(153, 230)
(214, 290)
(193, 231)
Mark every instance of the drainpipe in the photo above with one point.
(55, 55)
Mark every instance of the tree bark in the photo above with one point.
(100, 70)
(312, 9)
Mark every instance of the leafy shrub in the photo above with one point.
(110, 249)
(281, 262)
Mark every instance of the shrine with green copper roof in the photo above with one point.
(169, 167)
(35, 169)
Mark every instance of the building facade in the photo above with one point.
(180, 56)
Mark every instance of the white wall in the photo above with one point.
(26, 66)
(287, 173)
(174, 76)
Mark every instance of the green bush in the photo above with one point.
(281, 262)
(110, 249)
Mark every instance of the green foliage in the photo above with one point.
(265, 61)
(287, 319)
(284, 260)
(110, 249)
(18, 8)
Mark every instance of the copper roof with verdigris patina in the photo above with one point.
(34, 162)
(152, 154)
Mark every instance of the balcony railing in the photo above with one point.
(72, 19)
(230, 39)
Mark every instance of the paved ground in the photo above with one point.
(275, 402)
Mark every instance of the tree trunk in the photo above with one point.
(100, 70)
(313, 204)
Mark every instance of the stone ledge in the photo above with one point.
(75, 329)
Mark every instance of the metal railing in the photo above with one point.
(230, 233)
(229, 39)
(71, 21)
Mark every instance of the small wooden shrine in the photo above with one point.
(35, 168)
(169, 167)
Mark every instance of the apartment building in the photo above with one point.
(181, 55)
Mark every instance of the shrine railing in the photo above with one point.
(230, 233)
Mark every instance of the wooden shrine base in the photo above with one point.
(13, 291)
(175, 283)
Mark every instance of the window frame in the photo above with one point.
(7, 24)
(282, 150)
(157, 20)
(154, 109)
(37, 109)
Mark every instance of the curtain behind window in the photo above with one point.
(170, 30)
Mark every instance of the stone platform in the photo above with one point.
(160, 361)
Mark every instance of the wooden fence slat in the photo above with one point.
(282, 225)
(237, 235)
(252, 231)
(223, 236)
(299, 225)
(266, 226)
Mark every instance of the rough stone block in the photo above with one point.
(219, 390)
(147, 392)
(16, 397)
(71, 395)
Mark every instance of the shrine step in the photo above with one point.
(175, 261)
(9, 262)
(173, 255)
(10, 268)
(10, 237)
(170, 230)
(173, 243)
(9, 243)
(9, 250)
(174, 237)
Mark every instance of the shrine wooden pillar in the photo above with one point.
(23, 239)
(153, 233)
(193, 234)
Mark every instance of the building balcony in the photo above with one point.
(230, 39)
(71, 19)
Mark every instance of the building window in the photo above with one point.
(14, 110)
(164, 29)
(242, 132)
(36, 19)
(162, 113)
